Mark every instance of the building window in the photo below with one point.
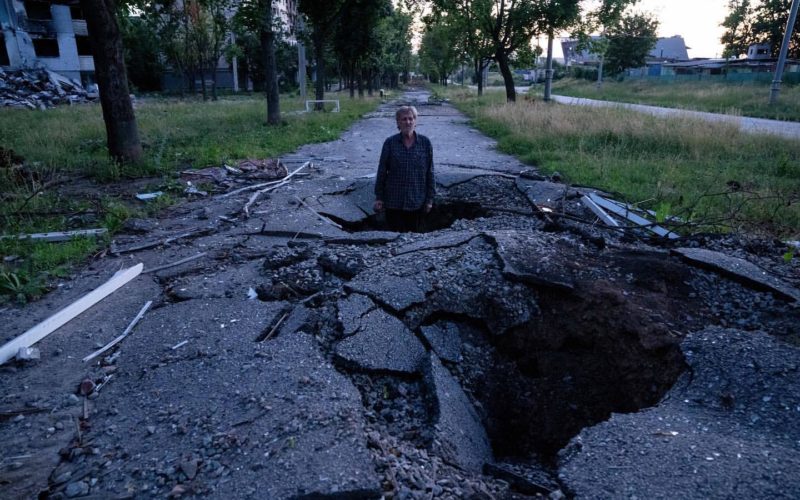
(84, 45)
(38, 11)
(76, 12)
(45, 47)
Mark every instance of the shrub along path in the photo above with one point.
(303, 352)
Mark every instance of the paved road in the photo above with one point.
(752, 125)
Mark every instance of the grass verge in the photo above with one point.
(42, 151)
(712, 175)
(743, 99)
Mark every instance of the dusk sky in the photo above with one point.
(697, 21)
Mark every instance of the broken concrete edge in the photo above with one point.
(59, 319)
(461, 439)
(512, 274)
(781, 289)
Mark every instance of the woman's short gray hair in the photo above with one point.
(404, 110)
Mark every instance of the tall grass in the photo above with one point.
(745, 99)
(176, 135)
(711, 174)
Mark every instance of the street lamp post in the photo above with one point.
(776, 82)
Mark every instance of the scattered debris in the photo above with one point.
(51, 324)
(58, 235)
(179, 345)
(176, 263)
(28, 354)
(282, 182)
(39, 89)
(167, 241)
(628, 212)
(124, 334)
(266, 169)
(149, 196)
(599, 212)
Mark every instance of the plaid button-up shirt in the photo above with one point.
(405, 175)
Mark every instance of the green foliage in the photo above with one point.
(763, 22)
(629, 42)
(142, 54)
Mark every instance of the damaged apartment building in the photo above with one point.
(46, 35)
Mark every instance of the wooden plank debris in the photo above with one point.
(124, 333)
(58, 235)
(51, 324)
(599, 212)
(283, 182)
(627, 212)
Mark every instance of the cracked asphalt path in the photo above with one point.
(298, 359)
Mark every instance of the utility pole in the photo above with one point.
(301, 59)
(548, 73)
(776, 82)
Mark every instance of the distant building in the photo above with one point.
(666, 49)
(758, 51)
(53, 35)
(44, 34)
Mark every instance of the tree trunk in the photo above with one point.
(479, 75)
(112, 80)
(270, 69)
(203, 82)
(508, 78)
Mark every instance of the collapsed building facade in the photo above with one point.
(46, 35)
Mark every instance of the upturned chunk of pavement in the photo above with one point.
(447, 240)
(351, 311)
(537, 258)
(729, 429)
(740, 270)
(364, 238)
(545, 193)
(384, 344)
(444, 339)
(459, 438)
(396, 292)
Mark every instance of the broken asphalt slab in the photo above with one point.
(221, 396)
(383, 344)
(740, 270)
(727, 430)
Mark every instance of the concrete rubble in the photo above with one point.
(39, 89)
(507, 352)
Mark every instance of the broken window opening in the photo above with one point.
(38, 11)
(46, 47)
(76, 12)
(4, 60)
(84, 46)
